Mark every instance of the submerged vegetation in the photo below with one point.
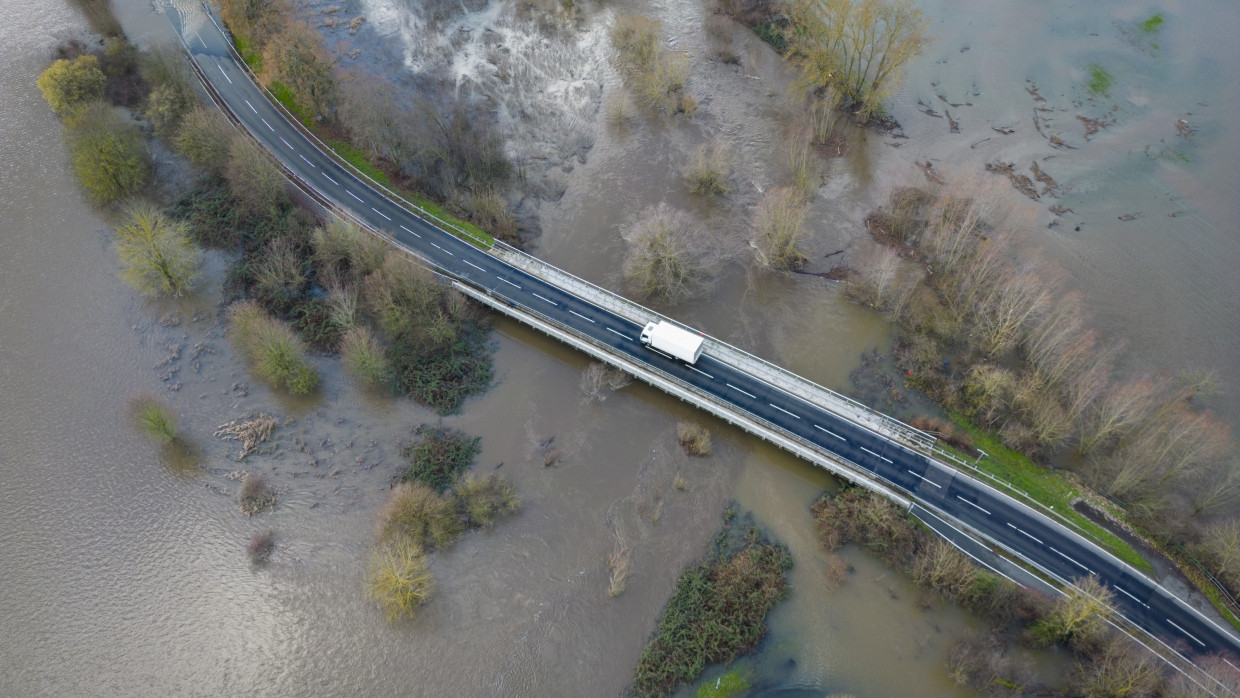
(655, 75)
(154, 417)
(439, 456)
(717, 611)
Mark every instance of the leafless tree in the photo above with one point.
(1119, 410)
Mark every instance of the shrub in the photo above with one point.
(656, 75)
(253, 179)
(856, 516)
(778, 227)
(280, 276)
(172, 86)
(108, 156)
(668, 257)
(415, 513)
(707, 175)
(439, 456)
(598, 379)
(717, 613)
(255, 496)
(70, 85)
(156, 254)
(345, 253)
(204, 138)
(275, 352)
(483, 500)
(154, 418)
(364, 357)
(260, 546)
(399, 579)
(694, 438)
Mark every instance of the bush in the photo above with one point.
(154, 418)
(439, 456)
(778, 227)
(483, 500)
(280, 275)
(70, 85)
(415, 513)
(204, 138)
(717, 613)
(364, 357)
(277, 355)
(694, 438)
(255, 496)
(656, 75)
(668, 257)
(599, 379)
(399, 579)
(108, 156)
(253, 179)
(707, 175)
(172, 87)
(156, 254)
(260, 546)
(345, 254)
(856, 516)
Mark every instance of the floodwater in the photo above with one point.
(124, 570)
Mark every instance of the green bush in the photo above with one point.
(483, 500)
(276, 354)
(108, 155)
(729, 685)
(156, 254)
(439, 456)
(399, 579)
(154, 418)
(365, 358)
(1100, 80)
(70, 85)
(204, 138)
(717, 613)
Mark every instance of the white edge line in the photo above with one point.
(966, 535)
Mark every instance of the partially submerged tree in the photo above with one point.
(108, 155)
(70, 85)
(854, 48)
(156, 253)
(778, 229)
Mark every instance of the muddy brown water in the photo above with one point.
(123, 566)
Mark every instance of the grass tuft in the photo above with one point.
(1100, 80)
(694, 438)
(255, 496)
(154, 418)
(1153, 24)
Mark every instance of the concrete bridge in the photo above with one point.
(981, 517)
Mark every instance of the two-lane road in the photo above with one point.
(1019, 529)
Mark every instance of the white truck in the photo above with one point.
(670, 339)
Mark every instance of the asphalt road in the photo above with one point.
(1047, 544)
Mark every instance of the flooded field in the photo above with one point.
(124, 567)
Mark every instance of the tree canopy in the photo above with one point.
(69, 85)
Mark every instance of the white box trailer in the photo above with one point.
(670, 339)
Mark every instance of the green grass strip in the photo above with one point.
(1043, 486)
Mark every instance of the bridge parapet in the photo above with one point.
(789, 382)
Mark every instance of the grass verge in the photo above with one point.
(1043, 486)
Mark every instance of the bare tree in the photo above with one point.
(669, 256)
(1120, 409)
(1078, 615)
(875, 282)
(1012, 305)
(1121, 668)
(253, 179)
(377, 122)
(1217, 489)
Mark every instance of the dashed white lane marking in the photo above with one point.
(381, 213)
(741, 391)
(200, 41)
(266, 124)
(251, 106)
(583, 317)
(545, 299)
(973, 505)
(924, 479)
(410, 232)
(617, 332)
(440, 248)
(1030, 535)
(1053, 550)
(1190, 635)
(704, 373)
(475, 266)
(782, 410)
(329, 178)
(303, 157)
(863, 448)
(290, 145)
(828, 431)
(1125, 593)
(353, 195)
(507, 281)
(1233, 666)
(217, 65)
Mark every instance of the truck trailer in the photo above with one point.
(673, 341)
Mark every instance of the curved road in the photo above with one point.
(1043, 542)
